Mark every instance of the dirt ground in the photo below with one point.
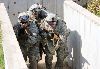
(41, 64)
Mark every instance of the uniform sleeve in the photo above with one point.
(61, 29)
(16, 28)
(34, 37)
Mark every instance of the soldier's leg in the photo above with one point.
(24, 52)
(33, 63)
(48, 60)
(60, 58)
(41, 50)
(33, 57)
(49, 51)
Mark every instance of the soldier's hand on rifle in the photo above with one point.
(24, 25)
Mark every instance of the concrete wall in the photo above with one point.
(82, 2)
(54, 6)
(14, 7)
(12, 53)
(84, 39)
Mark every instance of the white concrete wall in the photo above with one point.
(84, 39)
(12, 53)
(54, 6)
(82, 2)
(14, 7)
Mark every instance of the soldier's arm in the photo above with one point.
(16, 27)
(68, 32)
(28, 31)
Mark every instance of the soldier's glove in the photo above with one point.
(50, 35)
(28, 31)
(45, 30)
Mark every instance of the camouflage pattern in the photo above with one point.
(56, 27)
(44, 33)
(33, 40)
(48, 49)
(44, 28)
(52, 44)
(47, 43)
(33, 33)
(33, 55)
(22, 39)
(28, 39)
(62, 51)
(57, 42)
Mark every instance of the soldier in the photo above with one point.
(49, 47)
(47, 44)
(32, 47)
(36, 13)
(60, 43)
(47, 35)
(62, 51)
(34, 39)
(21, 35)
(52, 27)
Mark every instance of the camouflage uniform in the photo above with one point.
(33, 39)
(62, 51)
(29, 45)
(47, 43)
(22, 39)
(60, 45)
(50, 51)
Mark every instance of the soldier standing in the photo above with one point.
(32, 48)
(34, 39)
(47, 36)
(36, 12)
(21, 35)
(62, 51)
(49, 47)
(60, 43)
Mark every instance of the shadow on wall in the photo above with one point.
(76, 60)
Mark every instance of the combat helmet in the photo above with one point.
(23, 17)
(35, 6)
(51, 19)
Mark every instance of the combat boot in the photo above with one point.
(59, 65)
(33, 65)
(48, 61)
